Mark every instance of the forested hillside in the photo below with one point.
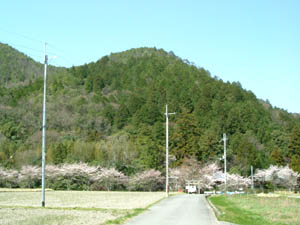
(18, 69)
(111, 113)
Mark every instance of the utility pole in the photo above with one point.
(252, 182)
(44, 129)
(225, 161)
(167, 150)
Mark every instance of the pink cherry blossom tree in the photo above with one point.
(30, 176)
(279, 176)
(8, 178)
(109, 179)
(149, 180)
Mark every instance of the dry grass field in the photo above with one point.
(36, 216)
(72, 207)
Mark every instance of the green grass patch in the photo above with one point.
(255, 210)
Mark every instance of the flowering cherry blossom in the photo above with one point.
(278, 176)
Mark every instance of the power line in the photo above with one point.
(40, 56)
(30, 54)
(21, 35)
(22, 46)
(34, 55)
(61, 54)
(28, 48)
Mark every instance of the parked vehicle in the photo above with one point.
(191, 189)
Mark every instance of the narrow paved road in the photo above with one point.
(177, 210)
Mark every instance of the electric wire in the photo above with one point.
(21, 35)
(54, 51)
(61, 54)
(33, 53)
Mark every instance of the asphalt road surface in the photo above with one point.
(178, 210)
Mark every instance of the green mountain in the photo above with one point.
(111, 112)
(18, 69)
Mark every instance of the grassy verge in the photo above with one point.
(255, 210)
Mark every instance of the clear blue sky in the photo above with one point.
(254, 42)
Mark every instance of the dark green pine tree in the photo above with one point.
(294, 149)
(185, 140)
(60, 153)
(294, 145)
(277, 157)
(151, 147)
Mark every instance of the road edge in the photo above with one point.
(214, 210)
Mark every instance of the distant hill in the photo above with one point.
(111, 112)
(16, 68)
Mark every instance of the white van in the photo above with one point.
(191, 189)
